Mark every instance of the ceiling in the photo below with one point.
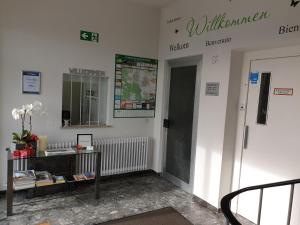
(154, 3)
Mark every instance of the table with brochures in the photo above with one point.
(52, 161)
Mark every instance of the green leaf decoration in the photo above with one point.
(16, 137)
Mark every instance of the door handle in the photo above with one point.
(246, 134)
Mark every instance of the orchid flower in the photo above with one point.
(28, 109)
(15, 113)
(37, 106)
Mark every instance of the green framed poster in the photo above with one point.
(135, 87)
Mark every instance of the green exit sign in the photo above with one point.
(89, 36)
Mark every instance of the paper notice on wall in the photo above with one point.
(283, 91)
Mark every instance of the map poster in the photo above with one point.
(135, 87)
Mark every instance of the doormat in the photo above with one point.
(164, 216)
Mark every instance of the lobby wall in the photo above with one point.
(45, 36)
(190, 28)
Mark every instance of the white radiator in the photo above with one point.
(118, 155)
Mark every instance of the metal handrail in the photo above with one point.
(226, 200)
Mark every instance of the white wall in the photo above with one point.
(44, 36)
(212, 139)
(231, 122)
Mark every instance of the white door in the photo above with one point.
(272, 151)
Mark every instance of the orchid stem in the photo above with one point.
(23, 121)
(30, 124)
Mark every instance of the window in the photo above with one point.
(84, 100)
(263, 99)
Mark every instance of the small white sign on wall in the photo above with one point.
(212, 89)
(283, 91)
(31, 82)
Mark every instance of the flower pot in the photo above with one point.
(20, 146)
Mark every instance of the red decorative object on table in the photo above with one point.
(16, 154)
(28, 149)
(24, 153)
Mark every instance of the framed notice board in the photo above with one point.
(31, 82)
(135, 87)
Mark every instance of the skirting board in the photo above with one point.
(215, 210)
(206, 204)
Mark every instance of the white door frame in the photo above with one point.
(181, 62)
(249, 57)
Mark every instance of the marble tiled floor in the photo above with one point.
(119, 197)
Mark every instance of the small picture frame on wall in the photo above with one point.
(84, 140)
(31, 82)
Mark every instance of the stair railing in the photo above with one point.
(226, 200)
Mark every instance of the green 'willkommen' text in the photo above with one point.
(222, 22)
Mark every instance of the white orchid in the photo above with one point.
(16, 114)
(37, 106)
(28, 109)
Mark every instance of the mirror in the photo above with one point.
(84, 100)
